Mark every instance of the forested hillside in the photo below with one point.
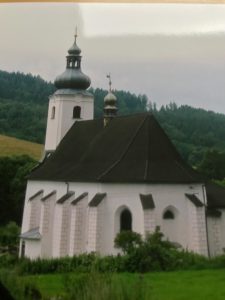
(193, 131)
(24, 102)
(23, 105)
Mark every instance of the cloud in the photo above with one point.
(146, 19)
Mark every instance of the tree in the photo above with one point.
(9, 238)
(127, 241)
(213, 165)
(13, 175)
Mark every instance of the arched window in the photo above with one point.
(168, 214)
(125, 220)
(76, 112)
(53, 113)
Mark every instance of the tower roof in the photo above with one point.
(130, 149)
(74, 49)
(73, 77)
(110, 108)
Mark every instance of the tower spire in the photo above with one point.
(75, 35)
(110, 82)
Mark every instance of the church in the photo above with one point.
(102, 176)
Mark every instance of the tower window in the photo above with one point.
(125, 220)
(76, 112)
(168, 214)
(53, 113)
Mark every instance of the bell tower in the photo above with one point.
(71, 102)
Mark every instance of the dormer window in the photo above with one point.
(76, 112)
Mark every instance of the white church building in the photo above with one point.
(102, 176)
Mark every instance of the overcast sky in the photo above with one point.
(170, 52)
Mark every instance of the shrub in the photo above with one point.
(152, 254)
(127, 241)
(8, 260)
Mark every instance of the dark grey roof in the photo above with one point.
(65, 197)
(97, 199)
(36, 194)
(147, 201)
(32, 234)
(79, 198)
(129, 149)
(48, 196)
(194, 199)
(211, 212)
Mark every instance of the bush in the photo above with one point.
(8, 260)
(128, 241)
(157, 254)
(152, 254)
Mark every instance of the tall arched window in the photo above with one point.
(53, 113)
(76, 112)
(125, 220)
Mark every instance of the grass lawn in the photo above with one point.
(182, 285)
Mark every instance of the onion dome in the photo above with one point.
(74, 50)
(73, 77)
(110, 101)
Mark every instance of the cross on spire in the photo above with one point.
(110, 82)
(75, 34)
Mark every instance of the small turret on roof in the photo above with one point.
(110, 101)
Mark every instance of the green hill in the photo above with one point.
(10, 146)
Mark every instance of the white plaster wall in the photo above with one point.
(149, 221)
(100, 226)
(57, 230)
(35, 213)
(46, 225)
(128, 195)
(66, 227)
(32, 249)
(170, 228)
(32, 188)
(197, 229)
(223, 229)
(26, 211)
(214, 234)
(78, 227)
(64, 104)
(92, 229)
